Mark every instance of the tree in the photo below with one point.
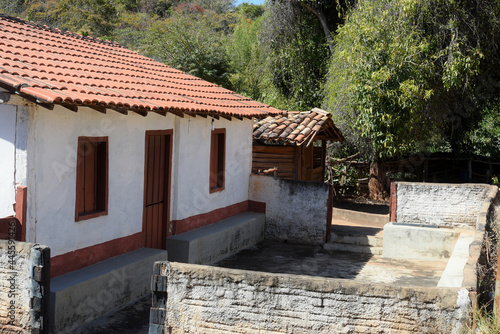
(246, 56)
(88, 17)
(295, 52)
(328, 13)
(13, 7)
(404, 71)
(250, 11)
(192, 40)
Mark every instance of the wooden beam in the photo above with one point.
(46, 105)
(176, 112)
(141, 112)
(190, 113)
(122, 111)
(72, 107)
(100, 109)
(225, 116)
(160, 112)
(8, 88)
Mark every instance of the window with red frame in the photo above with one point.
(217, 160)
(92, 178)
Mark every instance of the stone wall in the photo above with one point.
(450, 205)
(203, 299)
(296, 211)
(24, 287)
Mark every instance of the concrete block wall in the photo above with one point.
(24, 287)
(201, 299)
(296, 211)
(432, 204)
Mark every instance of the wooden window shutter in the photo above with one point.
(217, 160)
(91, 178)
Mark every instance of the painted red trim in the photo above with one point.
(204, 219)
(80, 258)
(255, 206)
(21, 201)
(393, 203)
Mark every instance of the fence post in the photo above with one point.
(393, 203)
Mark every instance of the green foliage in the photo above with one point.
(485, 139)
(250, 11)
(89, 17)
(132, 30)
(245, 53)
(296, 51)
(404, 71)
(12, 7)
(192, 41)
(43, 12)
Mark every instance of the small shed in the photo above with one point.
(294, 143)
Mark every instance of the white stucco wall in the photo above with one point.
(52, 179)
(13, 141)
(192, 154)
(7, 154)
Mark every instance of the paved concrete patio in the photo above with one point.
(276, 257)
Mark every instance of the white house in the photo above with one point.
(116, 151)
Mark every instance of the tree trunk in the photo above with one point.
(378, 184)
(316, 10)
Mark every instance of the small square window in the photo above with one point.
(217, 160)
(92, 178)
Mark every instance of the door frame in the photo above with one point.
(168, 181)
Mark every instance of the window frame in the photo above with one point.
(217, 163)
(103, 171)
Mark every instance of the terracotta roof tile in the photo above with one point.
(296, 128)
(59, 67)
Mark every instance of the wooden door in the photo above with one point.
(157, 169)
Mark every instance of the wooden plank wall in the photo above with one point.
(318, 172)
(281, 157)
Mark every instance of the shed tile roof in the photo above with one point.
(296, 128)
(54, 67)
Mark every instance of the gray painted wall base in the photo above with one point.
(86, 294)
(212, 243)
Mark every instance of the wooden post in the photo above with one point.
(393, 203)
(21, 198)
(469, 165)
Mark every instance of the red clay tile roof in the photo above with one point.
(50, 67)
(296, 128)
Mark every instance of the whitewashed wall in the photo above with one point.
(192, 154)
(52, 182)
(13, 141)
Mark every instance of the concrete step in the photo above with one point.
(371, 219)
(352, 248)
(356, 239)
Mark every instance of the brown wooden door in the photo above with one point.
(157, 169)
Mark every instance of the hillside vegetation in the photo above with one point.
(399, 76)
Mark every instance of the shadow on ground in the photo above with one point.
(279, 257)
(131, 319)
(362, 204)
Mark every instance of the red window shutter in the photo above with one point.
(217, 160)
